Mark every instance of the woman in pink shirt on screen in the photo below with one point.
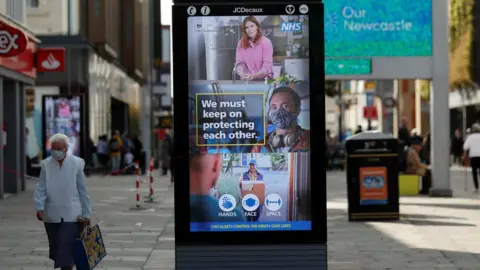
(64, 110)
(254, 58)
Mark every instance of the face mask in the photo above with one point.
(58, 155)
(282, 118)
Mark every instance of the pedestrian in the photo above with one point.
(62, 201)
(102, 150)
(115, 146)
(167, 155)
(404, 133)
(472, 148)
(456, 149)
(416, 166)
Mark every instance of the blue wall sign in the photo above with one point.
(378, 28)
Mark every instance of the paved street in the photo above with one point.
(434, 233)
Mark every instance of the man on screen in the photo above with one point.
(288, 136)
(253, 175)
(33, 123)
(204, 173)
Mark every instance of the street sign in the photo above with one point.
(389, 102)
(50, 59)
(370, 86)
(374, 28)
(370, 96)
(370, 113)
(348, 67)
(13, 41)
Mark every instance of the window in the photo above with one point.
(33, 3)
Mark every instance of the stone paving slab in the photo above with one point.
(434, 233)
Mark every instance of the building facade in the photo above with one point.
(15, 73)
(104, 62)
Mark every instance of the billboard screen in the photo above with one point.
(249, 123)
(62, 114)
(378, 28)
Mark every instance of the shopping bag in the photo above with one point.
(89, 249)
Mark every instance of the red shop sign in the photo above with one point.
(13, 41)
(370, 112)
(23, 63)
(50, 59)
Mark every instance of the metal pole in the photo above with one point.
(69, 33)
(439, 113)
(341, 105)
(151, 34)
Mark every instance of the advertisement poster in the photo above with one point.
(373, 186)
(33, 127)
(63, 115)
(249, 123)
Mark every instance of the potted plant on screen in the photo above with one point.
(284, 79)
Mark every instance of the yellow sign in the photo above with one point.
(165, 121)
(370, 86)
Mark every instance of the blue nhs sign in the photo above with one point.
(291, 26)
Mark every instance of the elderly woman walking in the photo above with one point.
(61, 201)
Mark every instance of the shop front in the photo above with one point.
(109, 98)
(16, 72)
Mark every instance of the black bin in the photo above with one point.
(372, 177)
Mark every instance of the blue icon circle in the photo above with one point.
(250, 202)
(227, 203)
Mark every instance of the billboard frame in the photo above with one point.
(183, 236)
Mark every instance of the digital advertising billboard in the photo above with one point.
(62, 114)
(254, 73)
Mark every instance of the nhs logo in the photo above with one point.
(291, 27)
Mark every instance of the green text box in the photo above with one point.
(348, 67)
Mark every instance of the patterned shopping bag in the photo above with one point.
(89, 249)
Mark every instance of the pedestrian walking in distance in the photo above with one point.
(61, 201)
(472, 148)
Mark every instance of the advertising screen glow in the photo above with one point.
(249, 123)
(63, 115)
(378, 28)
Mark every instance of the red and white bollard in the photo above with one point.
(138, 206)
(152, 181)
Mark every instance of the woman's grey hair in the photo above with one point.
(59, 138)
(476, 128)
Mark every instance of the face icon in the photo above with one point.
(251, 29)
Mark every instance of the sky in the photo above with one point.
(166, 12)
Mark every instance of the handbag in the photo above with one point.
(89, 248)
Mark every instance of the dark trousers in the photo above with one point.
(475, 164)
(61, 238)
(426, 182)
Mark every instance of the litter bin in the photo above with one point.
(372, 177)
